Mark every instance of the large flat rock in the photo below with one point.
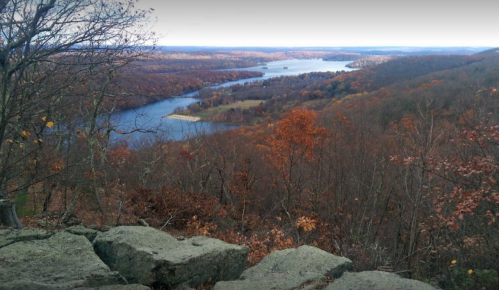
(376, 280)
(8, 237)
(151, 257)
(118, 287)
(63, 261)
(289, 269)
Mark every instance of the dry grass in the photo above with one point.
(206, 114)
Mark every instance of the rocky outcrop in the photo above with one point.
(8, 237)
(90, 234)
(42, 260)
(62, 261)
(376, 280)
(290, 269)
(119, 287)
(147, 256)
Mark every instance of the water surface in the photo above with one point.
(153, 124)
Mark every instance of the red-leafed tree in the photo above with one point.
(467, 196)
(289, 151)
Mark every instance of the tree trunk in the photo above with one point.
(8, 216)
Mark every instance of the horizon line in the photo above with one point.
(347, 46)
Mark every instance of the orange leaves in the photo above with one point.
(197, 227)
(431, 84)
(408, 122)
(466, 117)
(295, 135)
(260, 245)
(193, 210)
(57, 165)
(492, 217)
(119, 155)
(292, 148)
(473, 193)
(25, 134)
(49, 124)
(306, 223)
(343, 119)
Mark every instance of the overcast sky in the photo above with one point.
(326, 23)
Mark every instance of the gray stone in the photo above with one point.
(118, 287)
(63, 261)
(376, 280)
(90, 234)
(315, 286)
(148, 256)
(289, 269)
(8, 237)
(182, 287)
(46, 224)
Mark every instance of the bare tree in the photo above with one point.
(58, 60)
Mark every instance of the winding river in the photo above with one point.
(154, 126)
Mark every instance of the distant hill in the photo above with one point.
(362, 50)
(394, 71)
(492, 51)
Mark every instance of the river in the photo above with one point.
(151, 117)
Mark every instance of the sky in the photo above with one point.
(319, 23)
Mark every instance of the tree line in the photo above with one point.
(395, 165)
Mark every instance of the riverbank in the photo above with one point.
(183, 118)
(153, 115)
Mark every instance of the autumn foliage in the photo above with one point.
(394, 166)
(295, 136)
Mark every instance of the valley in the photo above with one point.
(391, 165)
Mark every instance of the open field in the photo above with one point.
(240, 104)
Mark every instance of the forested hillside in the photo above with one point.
(393, 165)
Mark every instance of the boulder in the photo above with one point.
(79, 230)
(290, 269)
(8, 237)
(151, 257)
(118, 287)
(63, 261)
(183, 287)
(376, 280)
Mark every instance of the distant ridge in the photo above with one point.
(492, 51)
(364, 50)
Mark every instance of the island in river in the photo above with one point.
(248, 103)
